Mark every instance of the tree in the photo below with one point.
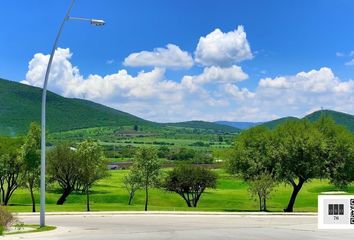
(339, 152)
(254, 159)
(10, 167)
(253, 154)
(10, 176)
(163, 152)
(261, 187)
(190, 182)
(92, 166)
(132, 183)
(201, 157)
(300, 151)
(63, 166)
(148, 167)
(136, 128)
(30, 155)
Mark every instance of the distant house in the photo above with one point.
(118, 165)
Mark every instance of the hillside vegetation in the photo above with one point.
(340, 118)
(21, 104)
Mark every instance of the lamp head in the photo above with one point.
(97, 22)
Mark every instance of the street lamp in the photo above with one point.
(94, 22)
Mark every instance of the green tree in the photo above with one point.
(148, 167)
(261, 187)
(63, 166)
(10, 180)
(339, 152)
(132, 182)
(300, 151)
(30, 155)
(163, 152)
(253, 154)
(10, 167)
(189, 182)
(93, 166)
(253, 158)
(201, 157)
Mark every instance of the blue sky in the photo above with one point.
(285, 38)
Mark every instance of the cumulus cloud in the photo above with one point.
(295, 95)
(223, 49)
(214, 75)
(170, 57)
(67, 80)
(214, 94)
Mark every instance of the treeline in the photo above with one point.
(168, 153)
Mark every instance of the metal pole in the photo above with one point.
(43, 118)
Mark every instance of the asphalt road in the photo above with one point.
(186, 227)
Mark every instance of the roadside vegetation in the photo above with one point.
(6, 220)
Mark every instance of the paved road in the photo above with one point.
(184, 227)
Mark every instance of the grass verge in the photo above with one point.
(36, 228)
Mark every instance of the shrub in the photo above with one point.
(6, 220)
(190, 182)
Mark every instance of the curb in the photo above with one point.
(181, 213)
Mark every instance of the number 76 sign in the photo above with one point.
(336, 212)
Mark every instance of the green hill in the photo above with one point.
(21, 104)
(272, 124)
(344, 119)
(340, 118)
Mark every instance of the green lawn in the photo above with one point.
(231, 194)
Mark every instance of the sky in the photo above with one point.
(170, 61)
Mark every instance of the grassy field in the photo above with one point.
(230, 195)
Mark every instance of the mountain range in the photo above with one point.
(343, 119)
(21, 104)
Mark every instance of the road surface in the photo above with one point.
(136, 226)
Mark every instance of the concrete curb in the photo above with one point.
(170, 213)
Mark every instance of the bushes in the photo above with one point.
(189, 182)
(6, 220)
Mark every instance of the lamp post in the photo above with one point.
(94, 22)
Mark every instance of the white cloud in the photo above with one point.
(110, 61)
(67, 80)
(170, 57)
(350, 63)
(295, 95)
(214, 94)
(214, 75)
(278, 82)
(223, 49)
(238, 93)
